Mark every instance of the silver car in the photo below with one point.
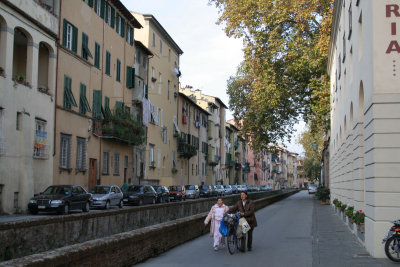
(105, 196)
(192, 191)
(228, 190)
(221, 190)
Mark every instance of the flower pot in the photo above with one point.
(324, 202)
(361, 227)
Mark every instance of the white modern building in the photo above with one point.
(364, 68)
(28, 56)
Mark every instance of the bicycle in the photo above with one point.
(233, 241)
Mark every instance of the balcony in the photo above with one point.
(213, 160)
(186, 150)
(41, 151)
(210, 130)
(228, 161)
(247, 167)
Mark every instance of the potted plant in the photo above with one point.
(1, 71)
(349, 212)
(323, 194)
(153, 164)
(359, 218)
(20, 78)
(174, 171)
(176, 134)
(43, 89)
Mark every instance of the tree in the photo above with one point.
(283, 76)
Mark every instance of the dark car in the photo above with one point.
(105, 196)
(62, 199)
(220, 190)
(162, 193)
(140, 194)
(176, 192)
(234, 189)
(214, 192)
(205, 190)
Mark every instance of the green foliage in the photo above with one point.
(338, 204)
(349, 211)
(121, 126)
(343, 207)
(323, 193)
(359, 217)
(186, 150)
(283, 75)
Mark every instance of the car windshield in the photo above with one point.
(135, 188)
(175, 188)
(204, 187)
(157, 188)
(189, 187)
(219, 186)
(100, 190)
(57, 190)
(313, 186)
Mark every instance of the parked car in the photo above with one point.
(266, 188)
(234, 189)
(228, 190)
(105, 196)
(221, 190)
(312, 189)
(162, 193)
(140, 194)
(176, 192)
(214, 190)
(61, 198)
(192, 191)
(205, 190)
(242, 188)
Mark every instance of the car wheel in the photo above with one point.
(140, 202)
(66, 209)
(121, 204)
(154, 201)
(86, 208)
(107, 206)
(33, 212)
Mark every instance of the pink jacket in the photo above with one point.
(211, 216)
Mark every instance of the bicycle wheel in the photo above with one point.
(392, 248)
(241, 243)
(231, 241)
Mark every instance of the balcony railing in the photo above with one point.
(228, 161)
(186, 150)
(41, 151)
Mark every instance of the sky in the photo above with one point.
(209, 56)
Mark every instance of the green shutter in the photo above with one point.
(95, 5)
(112, 17)
(119, 104)
(91, 3)
(102, 9)
(68, 96)
(129, 77)
(64, 41)
(118, 78)
(74, 39)
(127, 35)
(131, 36)
(122, 27)
(106, 15)
(133, 77)
(107, 107)
(117, 26)
(146, 91)
(108, 62)
(96, 104)
(97, 55)
(84, 104)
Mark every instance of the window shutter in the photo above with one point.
(106, 15)
(162, 118)
(122, 27)
(64, 41)
(97, 55)
(117, 26)
(108, 59)
(112, 17)
(96, 104)
(131, 37)
(74, 39)
(82, 94)
(127, 35)
(129, 78)
(69, 152)
(146, 91)
(118, 78)
(133, 77)
(102, 9)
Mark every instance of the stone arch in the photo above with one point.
(351, 116)
(22, 39)
(3, 42)
(45, 52)
(361, 103)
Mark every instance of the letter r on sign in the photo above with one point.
(392, 9)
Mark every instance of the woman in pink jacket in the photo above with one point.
(215, 215)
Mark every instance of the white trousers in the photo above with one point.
(217, 234)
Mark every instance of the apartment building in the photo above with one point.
(365, 99)
(215, 131)
(192, 136)
(28, 59)
(291, 168)
(161, 146)
(95, 129)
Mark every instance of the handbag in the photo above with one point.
(223, 228)
(244, 225)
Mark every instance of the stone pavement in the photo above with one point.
(335, 245)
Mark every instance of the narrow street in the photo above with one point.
(296, 231)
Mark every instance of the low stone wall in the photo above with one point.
(22, 238)
(128, 248)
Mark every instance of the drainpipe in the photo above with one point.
(55, 89)
(101, 100)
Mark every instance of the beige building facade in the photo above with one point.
(28, 59)
(94, 94)
(365, 100)
(163, 89)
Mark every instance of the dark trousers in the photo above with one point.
(249, 240)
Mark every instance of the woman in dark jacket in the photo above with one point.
(245, 206)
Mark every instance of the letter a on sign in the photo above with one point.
(393, 47)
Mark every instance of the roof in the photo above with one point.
(337, 8)
(161, 28)
(233, 126)
(142, 46)
(127, 14)
(218, 100)
(194, 103)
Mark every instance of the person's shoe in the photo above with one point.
(215, 248)
(248, 249)
(242, 250)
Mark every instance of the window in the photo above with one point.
(129, 34)
(108, 62)
(118, 77)
(120, 26)
(116, 163)
(69, 99)
(97, 55)
(154, 39)
(81, 154)
(85, 48)
(169, 55)
(160, 47)
(65, 152)
(107, 107)
(96, 104)
(2, 139)
(130, 77)
(144, 62)
(83, 103)
(40, 147)
(97, 7)
(151, 155)
(70, 36)
(159, 83)
(18, 126)
(344, 46)
(350, 20)
(109, 15)
(169, 82)
(125, 162)
(105, 163)
(165, 135)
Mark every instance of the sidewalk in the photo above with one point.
(335, 245)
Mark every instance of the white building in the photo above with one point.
(28, 54)
(365, 113)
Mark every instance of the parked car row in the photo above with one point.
(63, 198)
